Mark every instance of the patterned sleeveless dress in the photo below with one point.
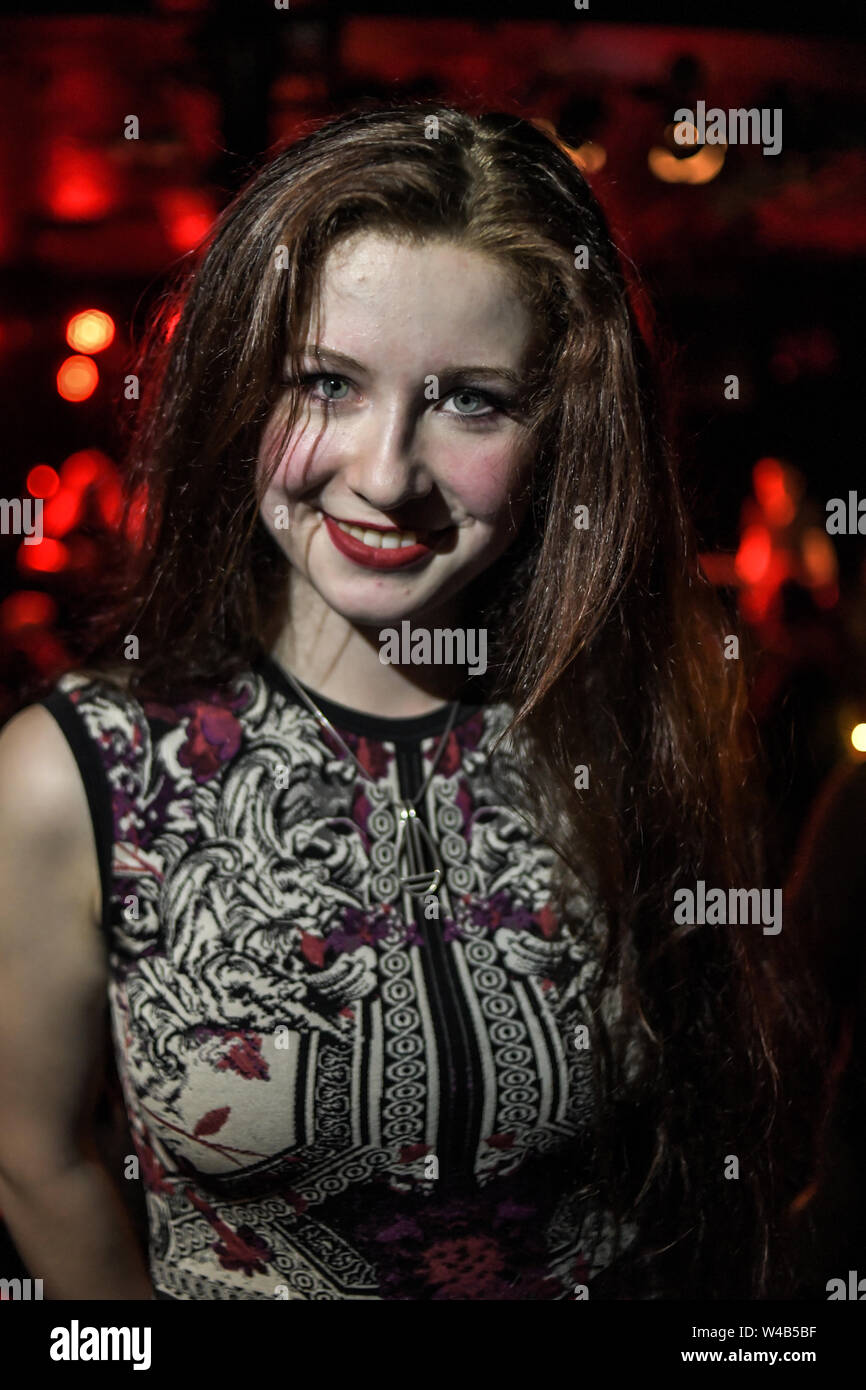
(336, 1090)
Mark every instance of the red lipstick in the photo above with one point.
(371, 557)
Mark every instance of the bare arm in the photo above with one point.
(59, 1201)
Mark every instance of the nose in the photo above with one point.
(385, 464)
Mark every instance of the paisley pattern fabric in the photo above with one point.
(336, 1090)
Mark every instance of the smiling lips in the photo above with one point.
(379, 548)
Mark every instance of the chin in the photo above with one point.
(376, 601)
(379, 611)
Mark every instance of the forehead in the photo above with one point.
(435, 295)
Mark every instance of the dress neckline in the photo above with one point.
(383, 728)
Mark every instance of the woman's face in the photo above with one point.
(409, 429)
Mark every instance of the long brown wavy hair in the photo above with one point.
(607, 641)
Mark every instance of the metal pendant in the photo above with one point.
(412, 838)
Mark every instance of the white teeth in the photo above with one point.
(388, 540)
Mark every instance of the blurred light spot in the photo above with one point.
(683, 135)
(771, 485)
(47, 557)
(77, 378)
(819, 557)
(187, 216)
(754, 555)
(26, 608)
(90, 331)
(62, 512)
(79, 186)
(83, 467)
(858, 737)
(700, 167)
(42, 481)
(589, 157)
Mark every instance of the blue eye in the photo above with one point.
(476, 396)
(469, 404)
(327, 379)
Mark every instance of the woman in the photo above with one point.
(399, 1001)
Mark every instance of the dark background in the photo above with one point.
(757, 271)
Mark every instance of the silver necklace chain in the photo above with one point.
(412, 832)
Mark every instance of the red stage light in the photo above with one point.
(772, 489)
(79, 182)
(90, 331)
(84, 467)
(47, 557)
(80, 469)
(187, 215)
(77, 378)
(754, 555)
(27, 608)
(42, 481)
(62, 512)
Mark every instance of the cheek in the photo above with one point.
(294, 465)
(484, 480)
(489, 483)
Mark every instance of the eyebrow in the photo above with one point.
(448, 373)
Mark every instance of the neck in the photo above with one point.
(340, 660)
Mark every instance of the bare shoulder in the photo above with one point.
(39, 777)
(53, 959)
(44, 813)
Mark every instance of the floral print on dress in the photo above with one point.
(334, 1090)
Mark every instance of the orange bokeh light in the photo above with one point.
(701, 167)
(77, 378)
(819, 557)
(90, 331)
(589, 157)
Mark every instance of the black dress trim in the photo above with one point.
(375, 726)
(96, 786)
